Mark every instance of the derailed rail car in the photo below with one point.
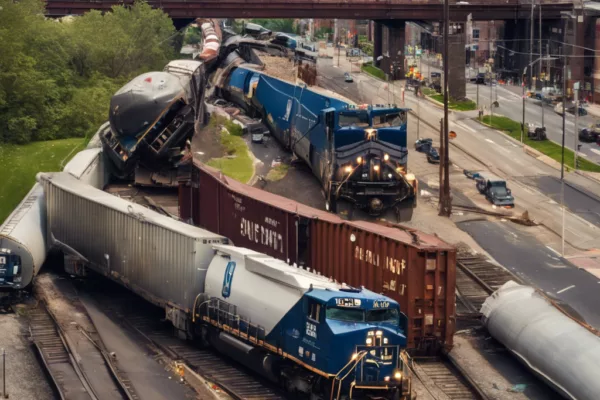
(554, 346)
(127, 242)
(413, 268)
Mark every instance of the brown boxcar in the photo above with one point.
(416, 269)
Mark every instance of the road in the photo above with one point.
(494, 151)
(510, 103)
(531, 252)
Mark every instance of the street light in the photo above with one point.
(523, 85)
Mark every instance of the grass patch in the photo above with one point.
(462, 105)
(547, 147)
(20, 163)
(237, 162)
(372, 70)
(278, 173)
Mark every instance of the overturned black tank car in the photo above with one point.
(152, 116)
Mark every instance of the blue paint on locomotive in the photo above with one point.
(10, 269)
(325, 329)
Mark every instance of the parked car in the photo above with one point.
(424, 145)
(589, 135)
(495, 191)
(348, 77)
(536, 132)
(433, 157)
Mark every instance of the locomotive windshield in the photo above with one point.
(353, 118)
(345, 314)
(387, 315)
(389, 119)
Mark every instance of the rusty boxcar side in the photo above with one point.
(416, 269)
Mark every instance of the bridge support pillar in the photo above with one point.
(392, 50)
(457, 57)
(377, 36)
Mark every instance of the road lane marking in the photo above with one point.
(565, 289)
(583, 154)
(595, 151)
(552, 250)
(511, 143)
(466, 127)
(490, 140)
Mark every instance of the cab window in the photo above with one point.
(314, 311)
(345, 314)
(387, 315)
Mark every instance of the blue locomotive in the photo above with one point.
(303, 330)
(358, 152)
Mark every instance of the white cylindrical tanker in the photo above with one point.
(558, 349)
(23, 243)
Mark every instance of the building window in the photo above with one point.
(476, 35)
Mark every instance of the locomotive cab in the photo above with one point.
(370, 168)
(362, 338)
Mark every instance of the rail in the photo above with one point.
(57, 358)
(232, 378)
(447, 377)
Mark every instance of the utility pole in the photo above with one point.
(531, 43)
(540, 47)
(4, 394)
(546, 75)
(562, 162)
(445, 202)
(523, 123)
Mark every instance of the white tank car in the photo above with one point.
(554, 346)
(23, 242)
(161, 259)
(261, 287)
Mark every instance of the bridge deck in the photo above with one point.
(350, 9)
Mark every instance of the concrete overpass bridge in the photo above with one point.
(426, 10)
(390, 17)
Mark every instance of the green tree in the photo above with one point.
(57, 77)
(276, 24)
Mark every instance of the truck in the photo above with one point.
(495, 190)
(357, 152)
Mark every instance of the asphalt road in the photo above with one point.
(577, 200)
(511, 105)
(539, 266)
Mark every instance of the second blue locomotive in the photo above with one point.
(358, 152)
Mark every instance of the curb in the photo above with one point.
(537, 154)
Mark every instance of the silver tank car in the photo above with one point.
(557, 348)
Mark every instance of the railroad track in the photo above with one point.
(476, 279)
(446, 377)
(67, 377)
(145, 319)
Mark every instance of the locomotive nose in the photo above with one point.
(376, 205)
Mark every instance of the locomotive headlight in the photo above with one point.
(359, 160)
(354, 356)
(398, 375)
(387, 379)
(386, 157)
(385, 340)
(390, 176)
(369, 341)
(378, 333)
(376, 168)
(348, 169)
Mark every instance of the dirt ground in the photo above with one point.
(279, 67)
